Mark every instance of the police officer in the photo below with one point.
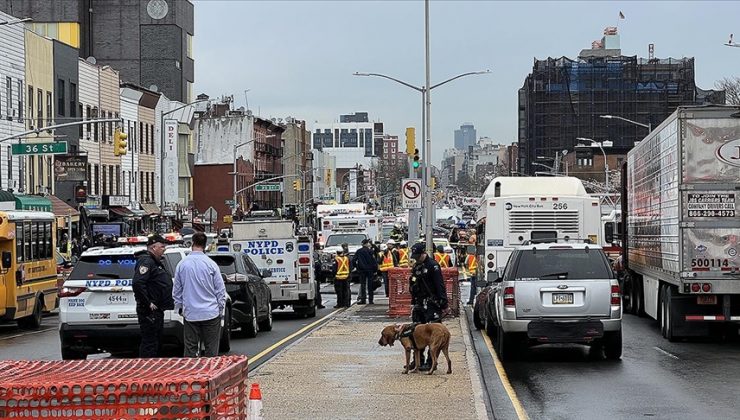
(152, 286)
(428, 294)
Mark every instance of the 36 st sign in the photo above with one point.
(57, 148)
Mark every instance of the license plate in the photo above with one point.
(706, 300)
(562, 298)
(117, 299)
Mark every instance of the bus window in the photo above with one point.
(27, 241)
(19, 242)
(48, 238)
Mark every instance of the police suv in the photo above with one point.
(272, 245)
(97, 309)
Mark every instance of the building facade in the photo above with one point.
(465, 137)
(12, 88)
(148, 41)
(39, 101)
(297, 159)
(352, 141)
(563, 99)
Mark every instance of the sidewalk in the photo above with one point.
(340, 372)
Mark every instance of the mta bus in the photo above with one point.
(27, 266)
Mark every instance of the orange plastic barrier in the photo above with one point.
(197, 388)
(399, 295)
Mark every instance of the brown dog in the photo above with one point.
(435, 336)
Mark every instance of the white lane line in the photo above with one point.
(10, 337)
(659, 350)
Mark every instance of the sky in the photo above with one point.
(297, 57)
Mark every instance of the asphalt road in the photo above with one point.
(654, 379)
(44, 343)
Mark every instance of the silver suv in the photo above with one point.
(555, 293)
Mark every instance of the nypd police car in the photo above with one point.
(97, 310)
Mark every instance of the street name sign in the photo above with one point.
(411, 193)
(269, 186)
(55, 148)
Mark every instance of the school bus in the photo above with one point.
(27, 266)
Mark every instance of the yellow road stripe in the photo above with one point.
(266, 351)
(520, 412)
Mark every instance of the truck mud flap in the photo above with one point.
(560, 331)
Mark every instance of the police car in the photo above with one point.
(97, 310)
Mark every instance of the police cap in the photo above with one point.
(417, 250)
(156, 239)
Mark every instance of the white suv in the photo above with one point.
(555, 293)
(97, 310)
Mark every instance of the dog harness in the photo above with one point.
(407, 331)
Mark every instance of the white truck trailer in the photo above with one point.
(681, 188)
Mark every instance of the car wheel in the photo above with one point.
(613, 345)
(224, 344)
(311, 313)
(250, 328)
(33, 321)
(490, 328)
(476, 318)
(505, 345)
(669, 333)
(69, 354)
(266, 324)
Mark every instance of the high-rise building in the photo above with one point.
(148, 41)
(563, 99)
(465, 136)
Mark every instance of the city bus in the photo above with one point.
(27, 266)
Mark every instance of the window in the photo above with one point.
(72, 100)
(118, 180)
(20, 101)
(110, 180)
(189, 44)
(95, 126)
(49, 114)
(142, 187)
(141, 130)
(19, 242)
(60, 97)
(31, 169)
(105, 180)
(103, 130)
(88, 111)
(40, 108)
(82, 117)
(151, 139)
(97, 179)
(30, 106)
(10, 167)
(8, 97)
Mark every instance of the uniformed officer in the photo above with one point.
(152, 286)
(428, 294)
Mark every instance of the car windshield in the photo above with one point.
(571, 264)
(352, 239)
(104, 267)
(387, 230)
(225, 263)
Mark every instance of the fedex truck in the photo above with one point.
(515, 210)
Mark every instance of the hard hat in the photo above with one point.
(383, 247)
(391, 242)
(404, 243)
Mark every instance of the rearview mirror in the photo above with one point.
(266, 273)
(7, 260)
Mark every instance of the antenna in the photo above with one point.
(154, 88)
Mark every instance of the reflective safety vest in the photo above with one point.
(442, 259)
(403, 257)
(342, 268)
(387, 261)
(472, 264)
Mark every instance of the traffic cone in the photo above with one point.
(254, 411)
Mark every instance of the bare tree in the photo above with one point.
(731, 86)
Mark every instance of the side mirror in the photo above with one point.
(18, 278)
(496, 277)
(266, 273)
(481, 283)
(7, 260)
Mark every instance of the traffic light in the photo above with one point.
(297, 185)
(120, 145)
(410, 140)
(434, 182)
(417, 159)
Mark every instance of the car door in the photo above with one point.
(254, 289)
(261, 289)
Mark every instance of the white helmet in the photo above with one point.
(383, 247)
(391, 242)
(404, 243)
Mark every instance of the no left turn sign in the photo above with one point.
(411, 193)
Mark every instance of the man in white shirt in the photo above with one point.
(200, 296)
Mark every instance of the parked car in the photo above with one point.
(554, 293)
(245, 284)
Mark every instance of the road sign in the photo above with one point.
(57, 148)
(269, 186)
(411, 193)
(211, 214)
(229, 203)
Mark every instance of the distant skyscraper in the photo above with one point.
(465, 136)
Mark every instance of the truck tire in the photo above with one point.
(630, 294)
(613, 345)
(33, 321)
(640, 300)
(669, 332)
(311, 312)
(250, 328)
(224, 344)
(266, 324)
(663, 310)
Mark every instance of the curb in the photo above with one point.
(480, 395)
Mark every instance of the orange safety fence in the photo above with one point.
(177, 388)
(399, 295)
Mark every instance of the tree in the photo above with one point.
(731, 86)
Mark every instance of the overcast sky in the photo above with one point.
(297, 57)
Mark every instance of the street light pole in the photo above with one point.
(649, 125)
(429, 210)
(606, 163)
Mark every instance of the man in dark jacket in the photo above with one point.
(152, 286)
(367, 265)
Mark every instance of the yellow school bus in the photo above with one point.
(27, 266)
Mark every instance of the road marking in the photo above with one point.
(10, 337)
(520, 412)
(666, 353)
(267, 351)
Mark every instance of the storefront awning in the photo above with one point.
(150, 209)
(60, 208)
(121, 211)
(7, 200)
(32, 202)
(97, 213)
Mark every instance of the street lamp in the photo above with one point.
(601, 145)
(649, 126)
(426, 145)
(16, 21)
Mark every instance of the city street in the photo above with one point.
(655, 378)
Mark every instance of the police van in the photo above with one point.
(273, 246)
(97, 309)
